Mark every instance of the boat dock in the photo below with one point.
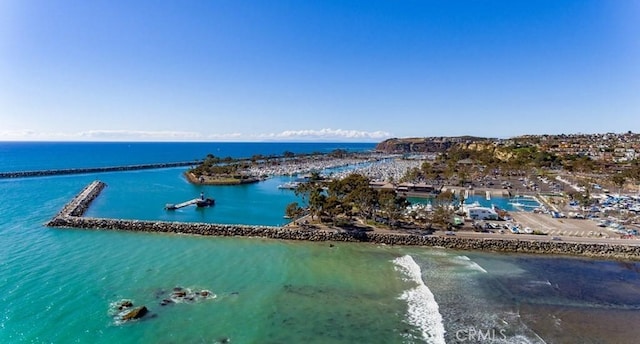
(182, 205)
(200, 202)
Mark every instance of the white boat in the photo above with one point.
(289, 185)
(481, 213)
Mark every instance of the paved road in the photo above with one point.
(509, 236)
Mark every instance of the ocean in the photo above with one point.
(63, 285)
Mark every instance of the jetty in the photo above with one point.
(84, 170)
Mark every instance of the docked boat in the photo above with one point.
(207, 202)
(289, 185)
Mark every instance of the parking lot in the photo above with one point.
(561, 227)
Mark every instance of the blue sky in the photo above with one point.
(316, 70)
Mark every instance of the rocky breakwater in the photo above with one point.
(71, 216)
(207, 229)
(79, 204)
(42, 173)
(595, 250)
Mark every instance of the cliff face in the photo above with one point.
(423, 145)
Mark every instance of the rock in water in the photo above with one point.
(125, 304)
(135, 313)
(180, 293)
(166, 302)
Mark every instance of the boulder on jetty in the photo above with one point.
(135, 313)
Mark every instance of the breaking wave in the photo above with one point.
(471, 264)
(423, 310)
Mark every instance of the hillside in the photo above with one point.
(424, 144)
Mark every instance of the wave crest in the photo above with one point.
(423, 309)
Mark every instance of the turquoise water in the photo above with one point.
(58, 285)
(504, 203)
(144, 194)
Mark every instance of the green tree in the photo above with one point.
(293, 210)
(317, 201)
(428, 171)
(441, 215)
(303, 190)
(445, 197)
(365, 200)
(332, 207)
(354, 194)
(443, 209)
(392, 206)
(315, 176)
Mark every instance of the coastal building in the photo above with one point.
(480, 213)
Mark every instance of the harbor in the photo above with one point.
(611, 216)
(606, 249)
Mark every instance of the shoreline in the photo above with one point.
(71, 216)
(226, 181)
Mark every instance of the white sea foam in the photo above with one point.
(423, 309)
(540, 283)
(471, 264)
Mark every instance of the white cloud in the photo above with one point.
(16, 134)
(140, 134)
(326, 134)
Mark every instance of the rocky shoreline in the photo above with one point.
(71, 216)
(224, 181)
